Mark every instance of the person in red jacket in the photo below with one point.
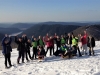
(84, 43)
(52, 43)
(47, 36)
(48, 43)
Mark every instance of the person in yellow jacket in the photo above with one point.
(74, 45)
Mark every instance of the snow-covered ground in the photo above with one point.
(86, 65)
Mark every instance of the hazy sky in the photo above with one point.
(49, 10)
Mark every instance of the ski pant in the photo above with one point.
(28, 54)
(34, 52)
(57, 52)
(74, 49)
(79, 52)
(91, 51)
(49, 48)
(21, 54)
(53, 49)
(84, 49)
(7, 58)
(58, 47)
(80, 46)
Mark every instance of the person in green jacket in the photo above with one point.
(40, 42)
(63, 41)
(34, 45)
(63, 49)
(65, 52)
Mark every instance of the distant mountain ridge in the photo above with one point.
(22, 26)
(63, 23)
(93, 30)
(5, 25)
(9, 30)
(28, 25)
(37, 30)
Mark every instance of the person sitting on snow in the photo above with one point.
(41, 53)
(65, 53)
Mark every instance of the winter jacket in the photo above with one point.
(32, 39)
(69, 40)
(40, 42)
(79, 38)
(48, 43)
(91, 42)
(55, 38)
(52, 42)
(6, 47)
(58, 42)
(46, 39)
(21, 45)
(24, 39)
(28, 45)
(74, 42)
(34, 43)
(63, 48)
(84, 39)
(63, 41)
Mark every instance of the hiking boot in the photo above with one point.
(27, 60)
(10, 65)
(23, 62)
(6, 67)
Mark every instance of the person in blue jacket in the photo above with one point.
(7, 49)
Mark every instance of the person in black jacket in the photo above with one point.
(69, 40)
(91, 44)
(7, 50)
(21, 49)
(28, 45)
(24, 39)
(58, 42)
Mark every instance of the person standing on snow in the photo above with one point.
(74, 45)
(52, 44)
(79, 42)
(69, 40)
(63, 41)
(28, 45)
(21, 49)
(24, 39)
(91, 45)
(48, 43)
(40, 42)
(34, 45)
(58, 42)
(7, 49)
(84, 43)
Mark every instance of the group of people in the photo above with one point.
(67, 46)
